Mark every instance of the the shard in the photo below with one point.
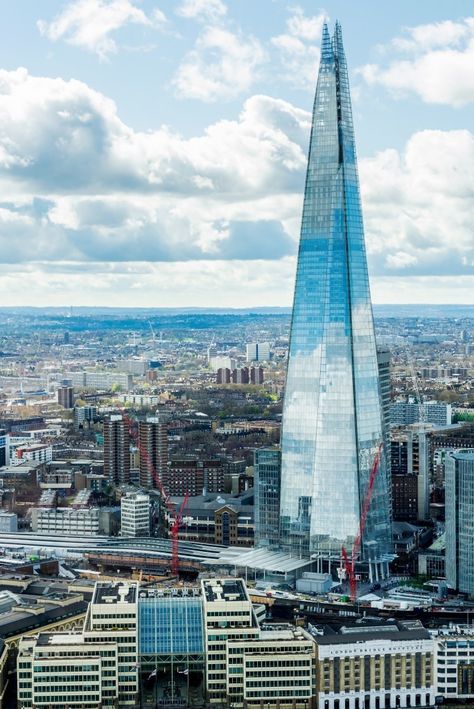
(332, 417)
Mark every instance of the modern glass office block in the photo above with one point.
(459, 469)
(267, 470)
(171, 625)
(332, 415)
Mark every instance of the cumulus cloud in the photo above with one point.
(439, 69)
(89, 24)
(221, 66)
(149, 195)
(419, 205)
(79, 185)
(298, 54)
(212, 10)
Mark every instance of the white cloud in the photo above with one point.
(150, 195)
(221, 66)
(298, 56)
(89, 24)
(440, 70)
(227, 202)
(307, 28)
(419, 205)
(212, 10)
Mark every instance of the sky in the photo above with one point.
(153, 152)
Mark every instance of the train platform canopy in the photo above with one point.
(273, 562)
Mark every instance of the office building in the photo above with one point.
(65, 670)
(376, 668)
(153, 437)
(117, 450)
(228, 614)
(257, 351)
(4, 448)
(403, 413)
(113, 615)
(455, 664)
(405, 498)
(274, 669)
(410, 451)
(64, 521)
(332, 415)
(267, 471)
(135, 515)
(66, 397)
(216, 519)
(459, 468)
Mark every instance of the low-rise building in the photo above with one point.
(376, 667)
(216, 519)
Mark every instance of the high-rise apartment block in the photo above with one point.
(153, 437)
(257, 351)
(332, 424)
(135, 515)
(117, 450)
(460, 521)
(66, 397)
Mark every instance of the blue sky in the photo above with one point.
(153, 153)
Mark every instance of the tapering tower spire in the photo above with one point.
(332, 417)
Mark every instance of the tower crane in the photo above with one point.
(177, 516)
(350, 564)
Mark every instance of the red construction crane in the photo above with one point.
(176, 516)
(175, 536)
(350, 564)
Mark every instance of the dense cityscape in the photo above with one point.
(251, 507)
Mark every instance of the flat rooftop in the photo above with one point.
(125, 592)
(224, 590)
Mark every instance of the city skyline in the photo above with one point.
(153, 153)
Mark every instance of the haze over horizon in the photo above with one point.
(153, 153)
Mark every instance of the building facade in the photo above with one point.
(376, 669)
(267, 472)
(332, 416)
(66, 397)
(153, 437)
(117, 450)
(257, 351)
(4, 448)
(135, 515)
(459, 469)
(64, 670)
(403, 413)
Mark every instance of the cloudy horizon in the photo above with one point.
(153, 153)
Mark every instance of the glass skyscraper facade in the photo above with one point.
(267, 470)
(459, 471)
(332, 416)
